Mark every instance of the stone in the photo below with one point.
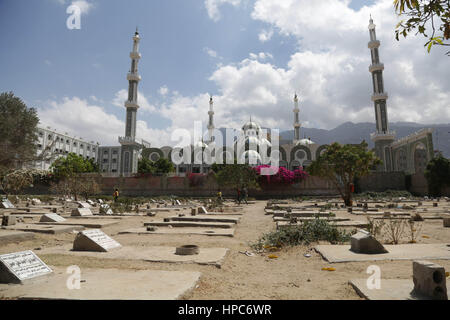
(446, 222)
(81, 212)
(20, 266)
(35, 201)
(6, 204)
(364, 242)
(202, 210)
(82, 204)
(435, 204)
(100, 201)
(417, 217)
(178, 202)
(8, 220)
(94, 240)
(185, 250)
(54, 210)
(429, 279)
(193, 211)
(90, 202)
(51, 217)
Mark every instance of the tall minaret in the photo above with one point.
(130, 148)
(211, 121)
(296, 120)
(382, 136)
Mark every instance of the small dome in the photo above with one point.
(304, 142)
(251, 125)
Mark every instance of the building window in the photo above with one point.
(105, 160)
(114, 160)
(114, 170)
(105, 152)
(114, 152)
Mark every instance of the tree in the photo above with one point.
(437, 174)
(162, 165)
(17, 132)
(71, 165)
(237, 176)
(423, 15)
(340, 164)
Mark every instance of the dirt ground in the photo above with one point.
(291, 276)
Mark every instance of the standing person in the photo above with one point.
(219, 196)
(245, 194)
(116, 195)
(238, 196)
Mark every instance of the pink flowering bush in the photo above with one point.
(283, 176)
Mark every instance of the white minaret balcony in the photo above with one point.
(135, 55)
(131, 104)
(210, 113)
(297, 125)
(376, 67)
(379, 96)
(388, 135)
(133, 76)
(373, 44)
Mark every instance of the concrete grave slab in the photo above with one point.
(350, 223)
(81, 212)
(14, 236)
(51, 217)
(206, 256)
(364, 242)
(83, 222)
(342, 253)
(221, 214)
(192, 224)
(108, 284)
(180, 231)
(205, 219)
(94, 240)
(18, 267)
(6, 204)
(82, 204)
(390, 289)
(40, 228)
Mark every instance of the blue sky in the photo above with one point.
(195, 48)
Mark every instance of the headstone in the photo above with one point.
(82, 204)
(364, 242)
(54, 210)
(446, 222)
(429, 279)
(202, 210)
(81, 212)
(35, 201)
(51, 217)
(435, 204)
(178, 202)
(193, 211)
(6, 204)
(8, 220)
(94, 240)
(20, 266)
(90, 202)
(100, 200)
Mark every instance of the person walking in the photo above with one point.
(116, 195)
(238, 196)
(245, 194)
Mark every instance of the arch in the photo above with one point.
(148, 151)
(300, 147)
(321, 149)
(420, 157)
(400, 157)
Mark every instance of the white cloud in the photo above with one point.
(122, 95)
(265, 35)
(84, 5)
(163, 90)
(210, 52)
(212, 6)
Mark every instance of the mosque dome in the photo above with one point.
(251, 125)
(304, 142)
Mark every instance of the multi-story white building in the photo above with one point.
(60, 144)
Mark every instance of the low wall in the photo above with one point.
(419, 186)
(382, 181)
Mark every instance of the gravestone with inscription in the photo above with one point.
(51, 217)
(94, 240)
(21, 266)
(6, 204)
(82, 204)
(81, 212)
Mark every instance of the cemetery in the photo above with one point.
(198, 248)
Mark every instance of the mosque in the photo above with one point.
(409, 154)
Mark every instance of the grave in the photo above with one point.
(202, 210)
(108, 284)
(446, 222)
(417, 251)
(81, 212)
(181, 224)
(88, 223)
(14, 236)
(94, 240)
(364, 242)
(204, 219)
(6, 204)
(35, 201)
(429, 280)
(8, 220)
(18, 267)
(182, 231)
(39, 228)
(51, 217)
(82, 204)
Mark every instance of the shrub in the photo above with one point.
(309, 231)
(283, 175)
